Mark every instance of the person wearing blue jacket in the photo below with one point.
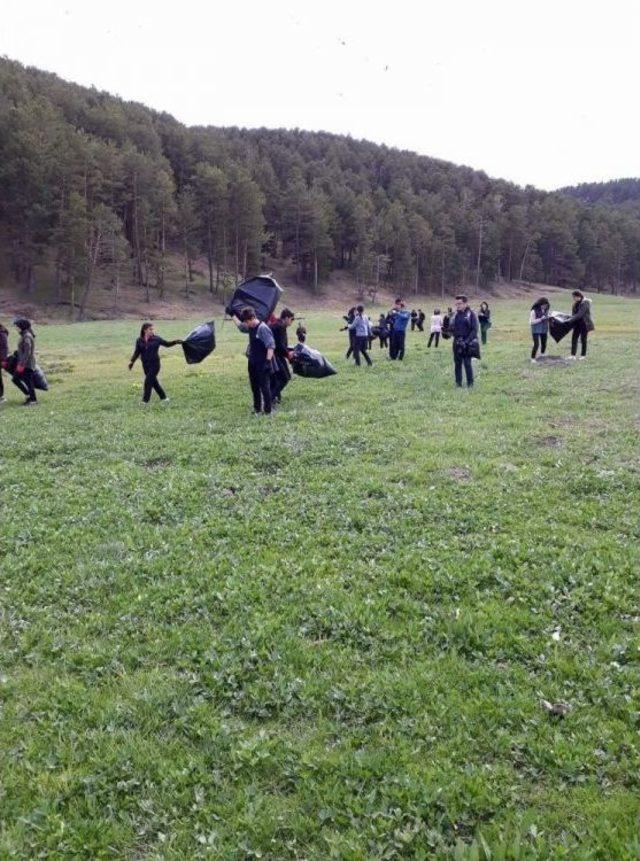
(399, 321)
(360, 327)
(464, 329)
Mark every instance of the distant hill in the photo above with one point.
(95, 189)
(615, 192)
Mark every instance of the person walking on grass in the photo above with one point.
(421, 318)
(464, 329)
(484, 318)
(349, 318)
(414, 319)
(260, 354)
(361, 329)
(582, 323)
(282, 376)
(383, 331)
(23, 376)
(4, 355)
(399, 321)
(436, 327)
(147, 349)
(539, 321)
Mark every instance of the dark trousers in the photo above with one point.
(352, 341)
(579, 333)
(420, 325)
(1, 385)
(150, 384)
(483, 333)
(25, 384)
(396, 345)
(414, 323)
(539, 342)
(260, 382)
(433, 335)
(384, 341)
(459, 360)
(280, 379)
(359, 347)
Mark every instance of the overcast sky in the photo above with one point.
(534, 91)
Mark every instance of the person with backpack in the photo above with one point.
(399, 321)
(464, 329)
(582, 322)
(23, 375)
(147, 349)
(539, 322)
(4, 355)
(361, 328)
(436, 327)
(260, 354)
(484, 319)
(282, 376)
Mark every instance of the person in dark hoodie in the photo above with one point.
(282, 376)
(464, 329)
(539, 322)
(26, 361)
(582, 323)
(147, 349)
(349, 318)
(260, 353)
(4, 355)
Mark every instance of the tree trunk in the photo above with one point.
(479, 256)
(315, 272)
(92, 260)
(210, 257)
(524, 259)
(442, 275)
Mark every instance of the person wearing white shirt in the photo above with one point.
(436, 327)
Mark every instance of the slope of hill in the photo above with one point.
(616, 192)
(96, 190)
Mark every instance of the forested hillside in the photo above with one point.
(94, 187)
(617, 192)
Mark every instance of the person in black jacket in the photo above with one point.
(282, 376)
(414, 319)
(421, 318)
(147, 349)
(582, 323)
(349, 318)
(464, 329)
(4, 355)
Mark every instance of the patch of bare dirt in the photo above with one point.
(460, 473)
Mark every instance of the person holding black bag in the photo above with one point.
(23, 375)
(147, 349)
(582, 323)
(282, 376)
(260, 354)
(464, 329)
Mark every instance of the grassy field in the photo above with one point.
(325, 634)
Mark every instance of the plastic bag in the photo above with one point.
(558, 326)
(261, 293)
(199, 343)
(39, 380)
(307, 362)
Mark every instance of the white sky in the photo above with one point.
(535, 91)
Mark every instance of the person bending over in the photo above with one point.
(282, 376)
(539, 322)
(582, 323)
(147, 349)
(361, 329)
(464, 329)
(260, 353)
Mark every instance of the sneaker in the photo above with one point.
(571, 358)
(29, 403)
(3, 400)
(582, 358)
(534, 361)
(165, 400)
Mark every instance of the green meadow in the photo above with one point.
(325, 634)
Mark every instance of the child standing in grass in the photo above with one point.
(147, 348)
(436, 327)
(361, 329)
(260, 353)
(539, 321)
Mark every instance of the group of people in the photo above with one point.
(20, 365)
(580, 322)
(269, 355)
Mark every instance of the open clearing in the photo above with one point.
(326, 634)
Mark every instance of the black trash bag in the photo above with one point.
(39, 380)
(307, 362)
(261, 293)
(199, 343)
(468, 348)
(558, 326)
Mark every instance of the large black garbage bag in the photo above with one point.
(199, 343)
(558, 326)
(261, 293)
(39, 380)
(307, 362)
